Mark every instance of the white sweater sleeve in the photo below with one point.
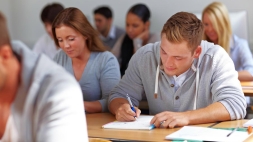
(62, 116)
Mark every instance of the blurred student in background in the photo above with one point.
(85, 57)
(109, 33)
(137, 35)
(218, 30)
(46, 44)
(39, 100)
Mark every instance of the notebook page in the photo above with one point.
(248, 123)
(207, 134)
(141, 123)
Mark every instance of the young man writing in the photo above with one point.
(185, 80)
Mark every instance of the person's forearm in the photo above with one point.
(245, 76)
(213, 113)
(92, 107)
(115, 104)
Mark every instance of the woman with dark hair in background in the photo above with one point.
(137, 35)
(84, 56)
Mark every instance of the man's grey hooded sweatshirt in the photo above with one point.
(217, 82)
(48, 105)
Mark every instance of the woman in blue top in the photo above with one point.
(84, 56)
(218, 30)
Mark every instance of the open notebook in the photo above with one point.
(141, 123)
(207, 134)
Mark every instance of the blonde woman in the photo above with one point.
(217, 29)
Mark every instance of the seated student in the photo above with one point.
(137, 35)
(186, 81)
(218, 30)
(84, 56)
(109, 33)
(46, 44)
(39, 100)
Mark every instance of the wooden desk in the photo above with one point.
(95, 122)
(247, 88)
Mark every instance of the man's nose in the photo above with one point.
(169, 62)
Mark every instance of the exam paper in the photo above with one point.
(207, 134)
(248, 123)
(141, 123)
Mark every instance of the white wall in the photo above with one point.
(6, 10)
(24, 15)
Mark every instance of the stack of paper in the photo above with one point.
(141, 123)
(207, 134)
(248, 123)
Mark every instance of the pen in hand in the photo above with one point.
(131, 105)
(232, 132)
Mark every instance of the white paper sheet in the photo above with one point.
(207, 134)
(248, 123)
(141, 123)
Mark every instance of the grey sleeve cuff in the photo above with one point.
(235, 112)
(103, 103)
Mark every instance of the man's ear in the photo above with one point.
(197, 52)
(6, 52)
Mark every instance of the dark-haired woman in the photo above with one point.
(137, 35)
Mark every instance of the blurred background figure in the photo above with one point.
(46, 44)
(39, 100)
(85, 57)
(218, 30)
(137, 35)
(109, 33)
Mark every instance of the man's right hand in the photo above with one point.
(125, 113)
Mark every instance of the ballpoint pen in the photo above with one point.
(232, 132)
(131, 105)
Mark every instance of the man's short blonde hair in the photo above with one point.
(184, 26)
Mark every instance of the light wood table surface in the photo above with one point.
(247, 88)
(95, 130)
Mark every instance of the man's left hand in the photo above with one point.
(169, 119)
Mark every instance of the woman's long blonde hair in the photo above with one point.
(218, 14)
